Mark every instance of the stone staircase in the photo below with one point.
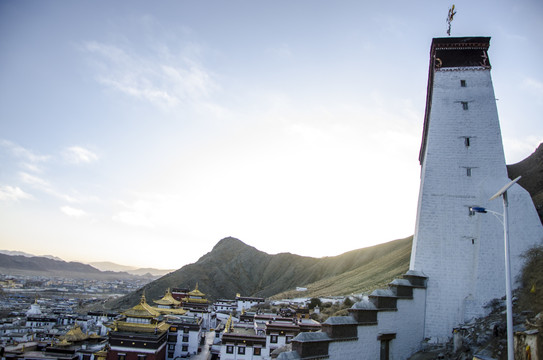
(372, 324)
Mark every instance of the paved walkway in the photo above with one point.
(204, 354)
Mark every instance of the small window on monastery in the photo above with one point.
(463, 83)
(186, 330)
(229, 349)
(172, 338)
(185, 348)
(257, 351)
(467, 141)
(471, 212)
(241, 350)
(273, 339)
(464, 105)
(288, 339)
(468, 171)
(121, 357)
(185, 338)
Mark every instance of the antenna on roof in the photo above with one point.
(450, 19)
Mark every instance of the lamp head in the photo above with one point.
(478, 209)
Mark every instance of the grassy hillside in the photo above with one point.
(234, 267)
(531, 170)
(387, 264)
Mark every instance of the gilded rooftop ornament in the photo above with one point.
(450, 18)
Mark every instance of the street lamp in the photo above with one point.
(508, 300)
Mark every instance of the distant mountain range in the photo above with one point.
(20, 263)
(109, 266)
(104, 266)
(22, 253)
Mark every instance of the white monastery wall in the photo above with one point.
(341, 350)
(463, 254)
(407, 323)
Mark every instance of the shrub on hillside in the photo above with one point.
(530, 293)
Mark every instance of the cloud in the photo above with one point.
(73, 212)
(30, 160)
(21, 152)
(79, 155)
(12, 193)
(159, 77)
(34, 181)
(43, 185)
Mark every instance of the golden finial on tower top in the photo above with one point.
(450, 18)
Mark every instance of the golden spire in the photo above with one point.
(228, 324)
(142, 300)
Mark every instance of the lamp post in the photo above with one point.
(508, 300)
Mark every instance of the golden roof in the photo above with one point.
(142, 310)
(64, 342)
(74, 334)
(196, 292)
(134, 327)
(100, 355)
(196, 300)
(178, 311)
(168, 299)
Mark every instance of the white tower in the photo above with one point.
(463, 165)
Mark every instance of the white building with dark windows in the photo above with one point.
(225, 306)
(259, 339)
(247, 302)
(457, 258)
(184, 336)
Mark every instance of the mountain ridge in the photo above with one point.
(45, 266)
(233, 267)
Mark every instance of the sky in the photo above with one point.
(143, 132)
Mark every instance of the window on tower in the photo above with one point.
(467, 141)
(468, 171)
(464, 105)
(463, 83)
